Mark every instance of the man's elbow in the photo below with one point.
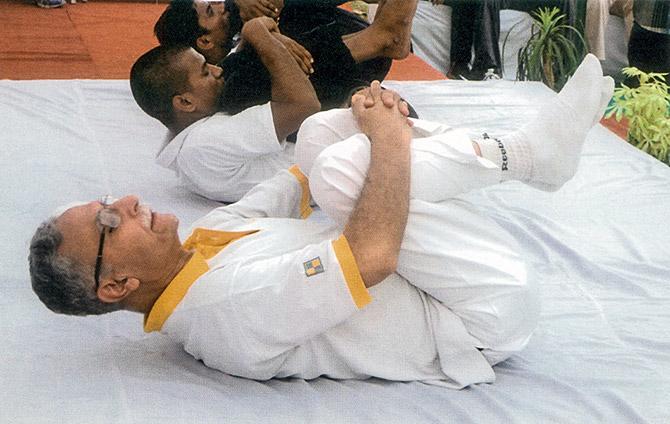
(312, 106)
(377, 269)
(308, 107)
(390, 264)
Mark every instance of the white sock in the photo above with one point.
(512, 156)
(545, 153)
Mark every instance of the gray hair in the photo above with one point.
(64, 285)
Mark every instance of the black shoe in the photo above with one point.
(459, 71)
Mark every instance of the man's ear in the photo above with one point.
(183, 103)
(203, 43)
(112, 291)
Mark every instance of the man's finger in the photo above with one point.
(363, 91)
(274, 5)
(369, 100)
(305, 56)
(403, 107)
(358, 104)
(267, 11)
(375, 90)
(264, 7)
(298, 56)
(304, 65)
(388, 98)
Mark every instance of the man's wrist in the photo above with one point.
(253, 30)
(389, 136)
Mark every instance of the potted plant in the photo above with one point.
(647, 109)
(550, 55)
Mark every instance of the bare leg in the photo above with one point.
(388, 36)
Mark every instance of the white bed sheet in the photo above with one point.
(597, 249)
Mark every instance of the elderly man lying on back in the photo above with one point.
(256, 291)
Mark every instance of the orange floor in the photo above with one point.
(83, 40)
(98, 40)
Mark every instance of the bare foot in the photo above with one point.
(394, 22)
(388, 36)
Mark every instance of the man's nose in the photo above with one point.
(217, 71)
(218, 6)
(128, 204)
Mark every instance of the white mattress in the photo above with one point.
(598, 250)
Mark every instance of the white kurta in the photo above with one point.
(449, 250)
(257, 312)
(222, 157)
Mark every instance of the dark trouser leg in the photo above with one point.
(298, 22)
(649, 51)
(336, 73)
(487, 29)
(487, 33)
(462, 27)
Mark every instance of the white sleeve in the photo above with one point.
(275, 304)
(225, 156)
(286, 195)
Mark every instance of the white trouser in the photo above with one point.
(450, 251)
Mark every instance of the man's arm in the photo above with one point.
(250, 9)
(286, 195)
(314, 3)
(377, 225)
(293, 97)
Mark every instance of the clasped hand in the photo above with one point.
(250, 9)
(301, 55)
(381, 113)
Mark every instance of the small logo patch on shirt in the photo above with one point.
(313, 267)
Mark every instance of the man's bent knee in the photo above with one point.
(318, 132)
(337, 177)
(505, 322)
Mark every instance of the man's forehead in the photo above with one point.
(205, 3)
(64, 208)
(76, 224)
(209, 1)
(76, 213)
(190, 60)
(200, 6)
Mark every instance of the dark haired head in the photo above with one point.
(155, 78)
(179, 24)
(62, 284)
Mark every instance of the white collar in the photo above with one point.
(172, 144)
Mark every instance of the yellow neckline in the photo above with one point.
(174, 293)
(205, 244)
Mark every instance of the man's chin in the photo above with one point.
(166, 223)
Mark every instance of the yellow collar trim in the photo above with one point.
(305, 208)
(174, 293)
(210, 242)
(206, 244)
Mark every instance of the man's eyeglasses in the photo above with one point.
(106, 219)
